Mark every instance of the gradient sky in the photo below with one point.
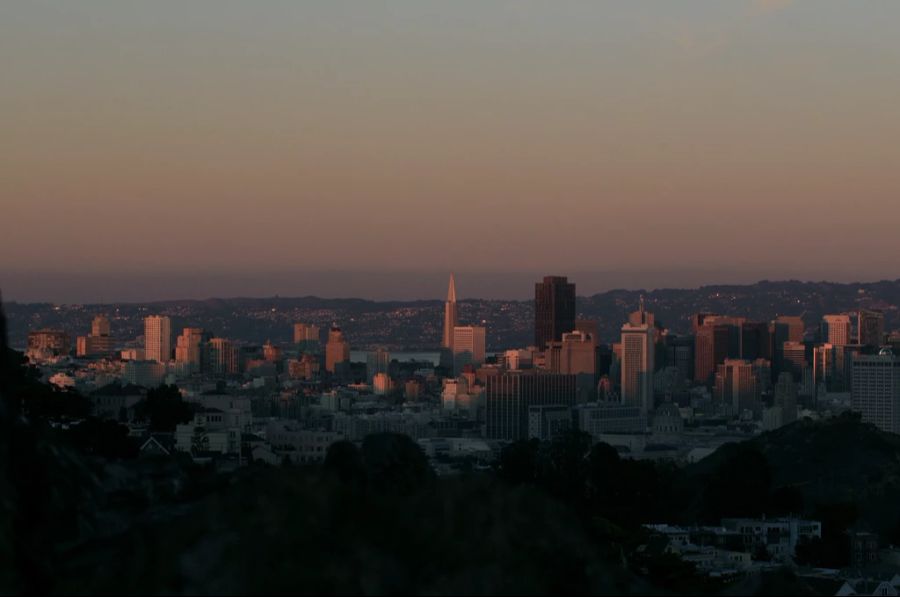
(746, 139)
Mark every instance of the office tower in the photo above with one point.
(875, 390)
(222, 357)
(711, 346)
(100, 326)
(451, 318)
(737, 385)
(158, 338)
(189, 348)
(762, 370)
(836, 329)
(554, 309)
(679, 353)
(698, 319)
(589, 327)
(306, 336)
(788, 328)
(468, 346)
(794, 359)
(98, 342)
(869, 328)
(638, 354)
(337, 350)
(508, 397)
(377, 361)
(578, 354)
(756, 342)
(641, 316)
(520, 358)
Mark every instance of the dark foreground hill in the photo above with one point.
(842, 472)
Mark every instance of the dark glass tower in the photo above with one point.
(554, 309)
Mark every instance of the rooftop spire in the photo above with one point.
(451, 291)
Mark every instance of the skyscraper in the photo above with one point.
(98, 341)
(875, 390)
(189, 348)
(337, 350)
(869, 327)
(378, 361)
(306, 336)
(554, 309)
(100, 326)
(836, 329)
(158, 338)
(710, 349)
(222, 357)
(468, 346)
(638, 359)
(737, 386)
(451, 319)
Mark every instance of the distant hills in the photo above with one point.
(415, 325)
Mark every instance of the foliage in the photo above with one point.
(163, 409)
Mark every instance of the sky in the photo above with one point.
(221, 147)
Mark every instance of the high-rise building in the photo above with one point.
(869, 328)
(451, 317)
(306, 336)
(793, 359)
(100, 326)
(788, 328)
(98, 342)
(377, 361)
(468, 346)
(222, 357)
(836, 329)
(554, 309)
(158, 338)
(756, 343)
(337, 350)
(189, 348)
(638, 361)
(711, 348)
(737, 385)
(590, 328)
(508, 397)
(875, 390)
(680, 354)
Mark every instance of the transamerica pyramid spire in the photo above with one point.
(450, 315)
(451, 291)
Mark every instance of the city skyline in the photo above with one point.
(450, 298)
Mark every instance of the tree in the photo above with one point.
(395, 462)
(518, 462)
(345, 461)
(105, 438)
(164, 408)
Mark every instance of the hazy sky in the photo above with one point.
(227, 137)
